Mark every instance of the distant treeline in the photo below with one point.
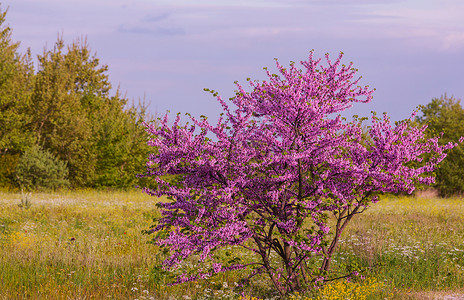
(62, 124)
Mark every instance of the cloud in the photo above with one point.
(343, 3)
(157, 31)
(368, 17)
(156, 18)
(223, 3)
(453, 41)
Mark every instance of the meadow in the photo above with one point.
(89, 245)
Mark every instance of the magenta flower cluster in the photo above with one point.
(279, 161)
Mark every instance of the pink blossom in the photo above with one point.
(280, 158)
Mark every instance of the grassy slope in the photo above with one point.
(88, 245)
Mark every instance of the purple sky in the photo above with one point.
(169, 50)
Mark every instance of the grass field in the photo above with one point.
(88, 245)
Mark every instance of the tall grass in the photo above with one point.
(413, 244)
(88, 245)
(78, 245)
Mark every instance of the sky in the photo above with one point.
(168, 51)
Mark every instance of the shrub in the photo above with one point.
(39, 169)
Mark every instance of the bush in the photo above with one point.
(39, 169)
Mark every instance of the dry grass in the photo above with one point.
(415, 244)
(75, 245)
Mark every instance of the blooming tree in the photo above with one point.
(268, 175)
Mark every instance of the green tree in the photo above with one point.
(122, 144)
(80, 122)
(63, 86)
(445, 114)
(16, 79)
(69, 110)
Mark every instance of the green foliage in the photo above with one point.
(68, 87)
(68, 108)
(38, 169)
(16, 78)
(78, 120)
(445, 114)
(122, 146)
(8, 164)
